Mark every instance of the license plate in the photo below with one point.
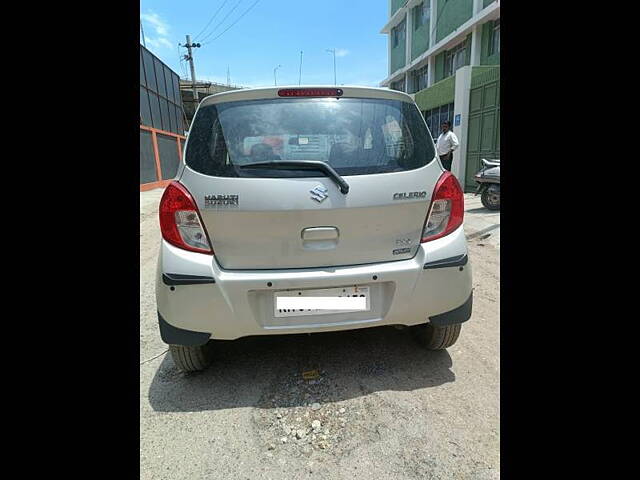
(325, 301)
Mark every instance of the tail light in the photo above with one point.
(180, 220)
(447, 208)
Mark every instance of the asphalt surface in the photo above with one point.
(387, 409)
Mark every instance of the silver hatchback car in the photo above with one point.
(309, 209)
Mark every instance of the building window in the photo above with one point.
(398, 34)
(436, 117)
(399, 85)
(494, 40)
(421, 14)
(420, 77)
(455, 58)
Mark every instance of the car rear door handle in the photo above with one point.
(320, 233)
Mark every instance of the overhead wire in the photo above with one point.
(237, 20)
(210, 20)
(222, 21)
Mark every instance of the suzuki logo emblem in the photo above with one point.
(319, 193)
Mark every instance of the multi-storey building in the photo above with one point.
(446, 54)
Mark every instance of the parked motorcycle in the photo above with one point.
(488, 179)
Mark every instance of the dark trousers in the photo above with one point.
(447, 160)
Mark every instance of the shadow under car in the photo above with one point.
(266, 371)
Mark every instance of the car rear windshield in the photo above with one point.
(356, 136)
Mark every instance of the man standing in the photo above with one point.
(447, 143)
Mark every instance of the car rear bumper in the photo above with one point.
(196, 296)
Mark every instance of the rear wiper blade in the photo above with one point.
(303, 165)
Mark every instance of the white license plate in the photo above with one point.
(293, 303)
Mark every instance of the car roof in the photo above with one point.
(349, 91)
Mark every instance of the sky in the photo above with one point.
(271, 33)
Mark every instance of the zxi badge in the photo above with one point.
(319, 193)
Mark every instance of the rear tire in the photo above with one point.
(191, 359)
(491, 199)
(433, 337)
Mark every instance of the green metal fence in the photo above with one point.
(484, 121)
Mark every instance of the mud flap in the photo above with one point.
(177, 336)
(457, 315)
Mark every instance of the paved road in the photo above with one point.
(407, 413)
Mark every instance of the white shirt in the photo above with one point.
(447, 142)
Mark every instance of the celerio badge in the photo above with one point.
(409, 195)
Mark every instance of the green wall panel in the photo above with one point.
(473, 148)
(488, 131)
(452, 14)
(474, 132)
(420, 40)
(490, 95)
(398, 57)
(398, 53)
(486, 3)
(437, 94)
(475, 101)
(484, 74)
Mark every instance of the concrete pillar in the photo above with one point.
(432, 41)
(476, 44)
(431, 72)
(389, 45)
(389, 53)
(477, 6)
(409, 36)
(461, 107)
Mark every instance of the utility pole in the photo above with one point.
(335, 81)
(300, 77)
(144, 41)
(189, 46)
(228, 76)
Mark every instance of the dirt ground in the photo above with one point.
(386, 408)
